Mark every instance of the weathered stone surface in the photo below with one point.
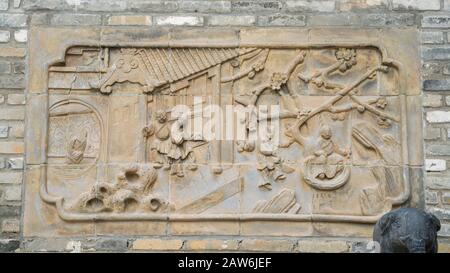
(436, 53)
(432, 37)
(12, 52)
(13, 20)
(438, 116)
(4, 36)
(179, 20)
(435, 165)
(231, 20)
(266, 245)
(308, 5)
(11, 226)
(10, 177)
(75, 19)
(21, 36)
(432, 100)
(133, 20)
(311, 246)
(157, 244)
(436, 85)
(9, 245)
(205, 6)
(436, 21)
(417, 4)
(281, 20)
(211, 244)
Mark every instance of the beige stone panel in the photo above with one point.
(142, 227)
(214, 227)
(47, 45)
(127, 116)
(36, 128)
(157, 244)
(211, 245)
(414, 131)
(266, 245)
(276, 228)
(42, 219)
(314, 246)
(205, 37)
(273, 37)
(344, 229)
(402, 51)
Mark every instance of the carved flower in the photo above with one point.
(381, 103)
(383, 122)
(348, 58)
(258, 66)
(161, 116)
(277, 80)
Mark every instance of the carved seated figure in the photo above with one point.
(328, 161)
(76, 149)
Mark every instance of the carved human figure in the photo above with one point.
(76, 149)
(171, 145)
(329, 157)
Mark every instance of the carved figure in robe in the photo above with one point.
(76, 149)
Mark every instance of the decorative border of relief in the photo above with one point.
(41, 140)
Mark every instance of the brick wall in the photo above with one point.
(432, 17)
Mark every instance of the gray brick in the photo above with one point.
(12, 113)
(230, 20)
(436, 85)
(282, 20)
(181, 20)
(5, 36)
(15, 163)
(16, 99)
(432, 133)
(80, 5)
(432, 37)
(11, 177)
(342, 19)
(431, 198)
(111, 244)
(13, 20)
(18, 67)
(4, 4)
(205, 6)
(9, 245)
(431, 68)
(2, 163)
(13, 193)
(17, 3)
(4, 131)
(436, 53)
(256, 6)
(12, 81)
(445, 230)
(437, 181)
(2, 99)
(9, 211)
(436, 21)
(46, 244)
(447, 5)
(416, 4)
(432, 100)
(437, 149)
(310, 5)
(381, 19)
(441, 213)
(152, 6)
(76, 19)
(5, 67)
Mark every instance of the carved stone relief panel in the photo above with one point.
(252, 131)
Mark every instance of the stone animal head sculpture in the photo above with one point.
(407, 230)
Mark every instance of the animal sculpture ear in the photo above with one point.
(435, 221)
(385, 222)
